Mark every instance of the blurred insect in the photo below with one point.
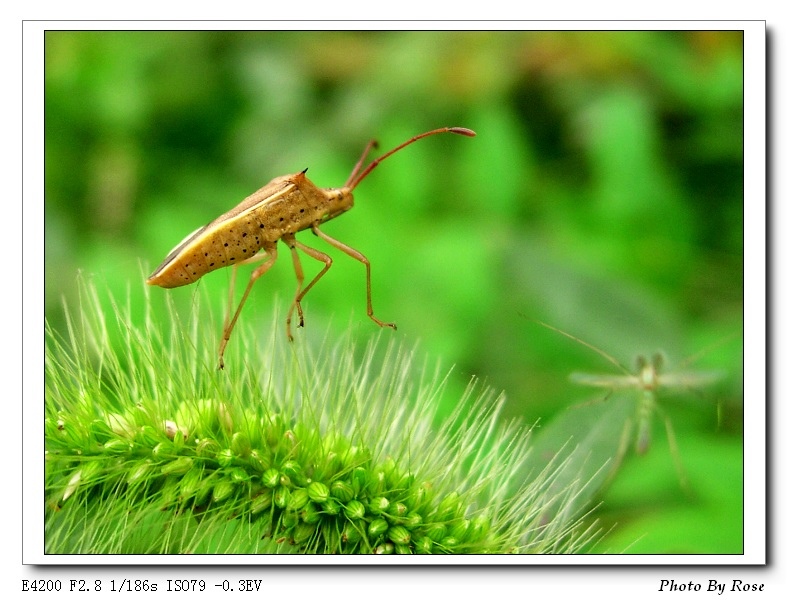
(649, 380)
(250, 233)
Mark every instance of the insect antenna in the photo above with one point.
(372, 144)
(717, 343)
(597, 350)
(356, 178)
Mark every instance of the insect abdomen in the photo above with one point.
(205, 251)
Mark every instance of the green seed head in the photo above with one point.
(281, 496)
(270, 478)
(318, 492)
(459, 529)
(163, 451)
(240, 445)
(298, 499)
(262, 501)
(148, 436)
(413, 520)
(303, 532)
(225, 457)
(292, 469)
(117, 423)
(290, 519)
(386, 548)
(239, 475)
(331, 507)
(223, 490)
(207, 448)
(310, 513)
(424, 546)
(355, 510)
(379, 505)
(177, 467)
(140, 471)
(449, 507)
(358, 479)
(399, 535)
(353, 532)
(377, 527)
(190, 483)
(437, 532)
(117, 446)
(398, 509)
(342, 491)
(259, 461)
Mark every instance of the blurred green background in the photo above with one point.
(603, 194)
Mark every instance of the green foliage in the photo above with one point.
(603, 193)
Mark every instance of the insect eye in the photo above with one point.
(640, 362)
(658, 361)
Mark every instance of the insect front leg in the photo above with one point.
(270, 252)
(293, 243)
(361, 258)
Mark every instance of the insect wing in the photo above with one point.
(690, 380)
(186, 239)
(580, 450)
(608, 381)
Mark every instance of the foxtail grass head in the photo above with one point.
(294, 449)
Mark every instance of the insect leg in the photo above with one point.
(256, 274)
(230, 297)
(623, 446)
(293, 243)
(674, 451)
(361, 258)
(646, 406)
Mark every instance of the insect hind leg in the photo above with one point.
(674, 450)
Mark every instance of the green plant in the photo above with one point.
(296, 448)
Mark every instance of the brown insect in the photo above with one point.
(250, 233)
